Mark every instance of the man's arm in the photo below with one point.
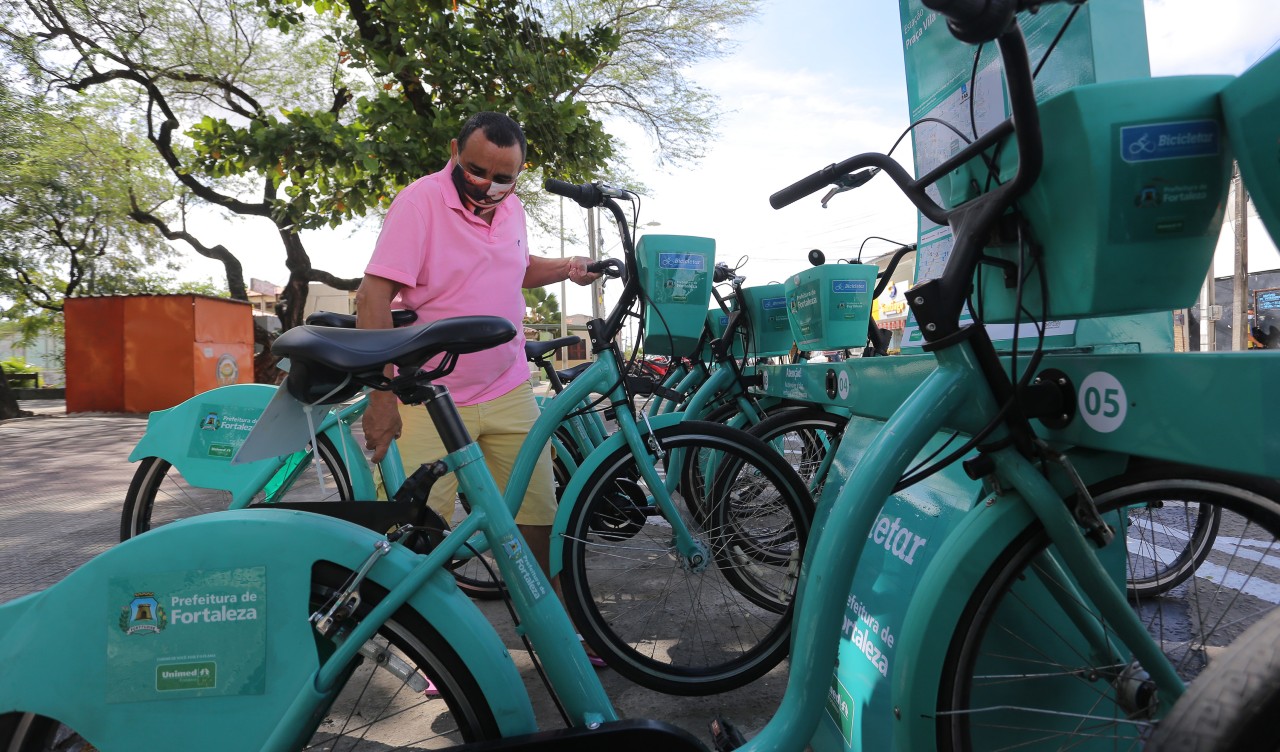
(545, 271)
(381, 422)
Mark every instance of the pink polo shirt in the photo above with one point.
(452, 263)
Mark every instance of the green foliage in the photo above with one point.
(645, 79)
(66, 176)
(17, 365)
(431, 66)
(541, 307)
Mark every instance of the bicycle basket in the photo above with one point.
(675, 272)
(1251, 106)
(769, 325)
(1129, 205)
(828, 306)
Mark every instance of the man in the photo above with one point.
(454, 244)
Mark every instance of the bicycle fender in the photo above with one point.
(965, 555)
(583, 474)
(200, 436)
(69, 653)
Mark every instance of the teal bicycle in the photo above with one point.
(630, 487)
(1032, 542)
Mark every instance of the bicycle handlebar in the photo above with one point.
(939, 302)
(608, 267)
(587, 195)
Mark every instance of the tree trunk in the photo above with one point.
(8, 403)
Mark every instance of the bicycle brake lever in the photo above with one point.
(849, 182)
(831, 194)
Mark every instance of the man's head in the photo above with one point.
(488, 155)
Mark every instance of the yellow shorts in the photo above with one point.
(500, 426)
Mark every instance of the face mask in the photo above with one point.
(480, 195)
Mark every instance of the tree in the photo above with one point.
(311, 112)
(644, 79)
(541, 307)
(64, 224)
(9, 407)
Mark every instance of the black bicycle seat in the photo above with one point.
(399, 317)
(535, 349)
(569, 374)
(323, 359)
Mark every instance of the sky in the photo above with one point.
(809, 83)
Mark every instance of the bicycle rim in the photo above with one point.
(665, 623)
(1019, 675)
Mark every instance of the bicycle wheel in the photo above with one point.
(1233, 705)
(1019, 673)
(699, 461)
(159, 494)
(477, 575)
(383, 704)
(804, 437)
(662, 621)
(1178, 533)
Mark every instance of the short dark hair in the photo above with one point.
(498, 128)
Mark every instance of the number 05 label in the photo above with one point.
(1102, 402)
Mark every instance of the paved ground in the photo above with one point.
(64, 477)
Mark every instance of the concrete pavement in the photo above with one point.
(63, 480)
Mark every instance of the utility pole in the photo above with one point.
(1240, 280)
(564, 300)
(1209, 315)
(597, 287)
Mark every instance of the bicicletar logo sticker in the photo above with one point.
(187, 633)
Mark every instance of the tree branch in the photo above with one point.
(235, 271)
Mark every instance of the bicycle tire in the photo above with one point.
(990, 666)
(1233, 705)
(674, 628)
(477, 575)
(1185, 517)
(382, 692)
(696, 460)
(803, 437)
(158, 486)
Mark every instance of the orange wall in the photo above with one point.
(94, 349)
(154, 352)
(157, 354)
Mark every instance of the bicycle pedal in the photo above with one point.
(725, 736)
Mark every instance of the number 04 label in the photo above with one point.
(1102, 402)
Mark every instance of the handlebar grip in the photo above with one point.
(803, 187)
(608, 267)
(722, 273)
(587, 195)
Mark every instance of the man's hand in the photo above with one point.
(381, 424)
(578, 273)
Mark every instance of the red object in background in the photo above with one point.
(138, 353)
